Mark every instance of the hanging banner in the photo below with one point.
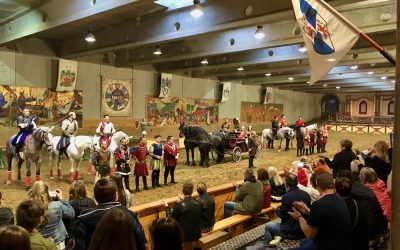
(116, 97)
(165, 87)
(226, 91)
(267, 95)
(67, 75)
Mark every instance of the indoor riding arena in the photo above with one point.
(205, 124)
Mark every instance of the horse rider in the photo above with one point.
(282, 122)
(274, 127)
(106, 129)
(27, 125)
(300, 122)
(69, 128)
(226, 126)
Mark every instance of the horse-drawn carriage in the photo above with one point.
(233, 145)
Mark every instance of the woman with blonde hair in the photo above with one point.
(276, 182)
(379, 160)
(369, 178)
(56, 208)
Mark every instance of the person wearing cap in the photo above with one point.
(156, 153)
(69, 128)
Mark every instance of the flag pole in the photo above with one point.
(374, 44)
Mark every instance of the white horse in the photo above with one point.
(283, 133)
(115, 139)
(311, 127)
(75, 152)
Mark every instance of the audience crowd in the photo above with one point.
(341, 203)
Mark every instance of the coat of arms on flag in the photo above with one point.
(165, 86)
(327, 35)
(226, 91)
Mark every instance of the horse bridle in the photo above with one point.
(43, 139)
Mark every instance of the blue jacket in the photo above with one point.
(88, 220)
(57, 210)
(288, 224)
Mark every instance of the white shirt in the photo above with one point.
(69, 127)
(108, 128)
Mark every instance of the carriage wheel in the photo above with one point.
(214, 155)
(236, 154)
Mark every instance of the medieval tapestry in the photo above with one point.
(116, 97)
(172, 110)
(253, 113)
(67, 75)
(48, 106)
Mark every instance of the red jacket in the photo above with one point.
(267, 194)
(379, 189)
(302, 177)
(299, 123)
(170, 152)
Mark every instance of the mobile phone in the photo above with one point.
(53, 194)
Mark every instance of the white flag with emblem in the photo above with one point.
(327, 35)
(226, 91)
(165, 85)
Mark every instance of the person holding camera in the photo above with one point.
(57, 209)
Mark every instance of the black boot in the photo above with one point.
(153, 179)
(306, 151)
(173, 176)
(157, 178)
(144, 178)
(137, 183)
(17, 151)
(251, 160)
(126, 181)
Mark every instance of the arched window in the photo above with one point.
(363, 108)
(391, 108)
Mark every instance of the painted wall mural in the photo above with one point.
(48, 106)
(116, 97)
(254, 112)
(171, 110)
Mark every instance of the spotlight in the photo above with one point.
(93, 2)
(290, 78)
(240, 69)
(331, 59)
(337, 87)
(370, 73)
(268, 74)
(259, 33)
(197, 11)
(302, 49)
(90, 38)
(325, 85)
(204, 61)
(354, 67)
(157, 51)
(392, 81)
(383, 77)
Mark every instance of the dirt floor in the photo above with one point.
(216, 174)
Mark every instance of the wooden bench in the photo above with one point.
(235, 226)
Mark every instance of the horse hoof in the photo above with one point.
(187, 163)
(52, 178)
(193, 164)
(279, 150)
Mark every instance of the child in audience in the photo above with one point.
(208, 218)
(166, 234)
(14, 237)
(6, 214)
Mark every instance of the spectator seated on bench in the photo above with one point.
(249, 196)
(288, 227)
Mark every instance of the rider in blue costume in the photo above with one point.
(27, 125)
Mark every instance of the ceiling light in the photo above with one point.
(308, 82)
(240, 69)
(290, 78)
(259, 33)
(268, 74)
(90, 38)
(370, 73)
(302, 49)
(197, 11)
(393, 81)
(157, 51)
(331, 59)
(383, 77)
(354, 67)
(93, 2)
(325, 85)
(337, 87)
(204, 61)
